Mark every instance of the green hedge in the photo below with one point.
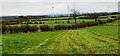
(83, 18)
(44, 28)
(18, 29)
(26, 28)
(33, 28)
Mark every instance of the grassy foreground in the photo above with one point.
(93, 40)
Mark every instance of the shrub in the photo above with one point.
(44, 28)
(40, 22)
(62, 27)
(75, 26)
(25, 23)
(70, 27)
(58, 27)
(68, 21)
(51, 29)
(83, 21)
(100, 22)
(109, 20)
(25, 28)
(92, 23)
(86, 24)
(51, 19)
(17, 22)
(22, 23)
(4, 29)
(8, 23)
(29, 23)
(104, 21)
(33, 28)
(80, 25)
(83, 25)
(17, 29)
(35, 22)
(83, 17)
(10, 29)
(55, 22)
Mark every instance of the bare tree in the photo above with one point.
(93, 16)
(75, 13)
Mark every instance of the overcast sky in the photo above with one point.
(38, 7)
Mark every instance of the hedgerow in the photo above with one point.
(44, 28)
(33, 28)
(17, 29)
(35, 22)
(4, 29)
(60, 27)
(27, 28)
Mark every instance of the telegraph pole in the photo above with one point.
(68, 15)
(53, 11)
(52, 14)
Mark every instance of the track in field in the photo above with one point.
(75, 42)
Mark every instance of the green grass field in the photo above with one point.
(92, 40)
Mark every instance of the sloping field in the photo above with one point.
(93, 40)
